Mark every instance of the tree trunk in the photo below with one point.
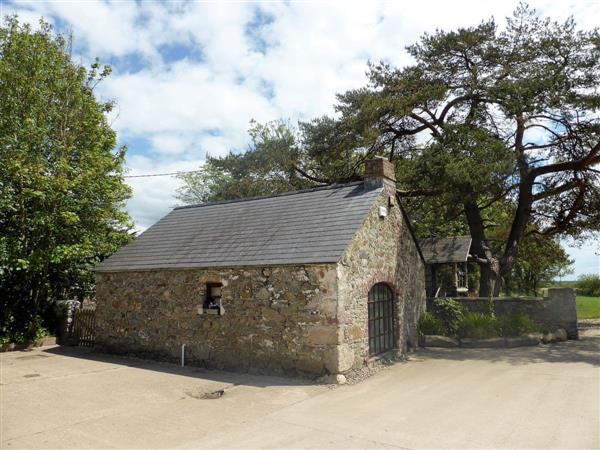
(518, 227)
(489, 282)
(524, 203)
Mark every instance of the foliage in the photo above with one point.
(450, 312)
(429, 324)
(588, 285)
(268, 167)
(516, 324)
(588, 307)
(478, 326)
(540, 260)
(34, 332)
(61, 184)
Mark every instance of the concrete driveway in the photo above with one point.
(540, 397)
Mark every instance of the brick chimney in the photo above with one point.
(379, 172)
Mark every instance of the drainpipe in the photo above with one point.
(182, 355)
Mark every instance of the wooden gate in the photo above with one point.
(84, 326)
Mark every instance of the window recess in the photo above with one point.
(212, 300)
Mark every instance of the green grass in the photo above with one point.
(588, 307)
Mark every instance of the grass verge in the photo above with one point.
(588, 307)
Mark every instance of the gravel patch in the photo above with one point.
(356, 376)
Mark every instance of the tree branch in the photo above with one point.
(405, 132)
(558, 190)
(498, 197)
(562, 225)
(592, 158)
(451, 105)
(310, 177)
(426, 123)
(549, 130)
(418, 193)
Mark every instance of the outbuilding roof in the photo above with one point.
(310, 226)
(440, 250)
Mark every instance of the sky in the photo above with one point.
(188, 77)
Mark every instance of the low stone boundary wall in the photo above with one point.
(558, 310)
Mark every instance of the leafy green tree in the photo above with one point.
(61, 179)
(588, 284)
(540, 260)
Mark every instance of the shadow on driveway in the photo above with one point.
(234, 378)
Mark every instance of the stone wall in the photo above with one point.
(558, 310)
(277, 319)
(382, 251)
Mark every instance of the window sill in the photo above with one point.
(210, 311)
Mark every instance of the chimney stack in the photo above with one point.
(379, 172)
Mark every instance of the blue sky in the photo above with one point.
(189, 76)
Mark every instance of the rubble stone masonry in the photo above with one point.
(276, 319)
(383, 251)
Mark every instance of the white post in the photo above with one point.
(182, 355)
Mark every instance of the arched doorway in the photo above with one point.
(381, 319)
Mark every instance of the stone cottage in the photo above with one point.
(319, 281)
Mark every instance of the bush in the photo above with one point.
(588, 285)
(516, 324)
(478, 326)
(429, 324)
(33, 332)
(450, 312)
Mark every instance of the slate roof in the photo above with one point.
(446, 249)
(310, 226)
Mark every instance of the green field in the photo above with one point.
(588, 307)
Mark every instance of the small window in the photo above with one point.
(212, 300)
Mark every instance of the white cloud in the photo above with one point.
(153, 197)
(108, 29)
(171, 143)
(587, 258)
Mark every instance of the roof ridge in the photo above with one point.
(248, 199)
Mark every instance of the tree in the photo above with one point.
(61, 183)
(540, 260)
(589, 284)
(487, 115)
(268, 167)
